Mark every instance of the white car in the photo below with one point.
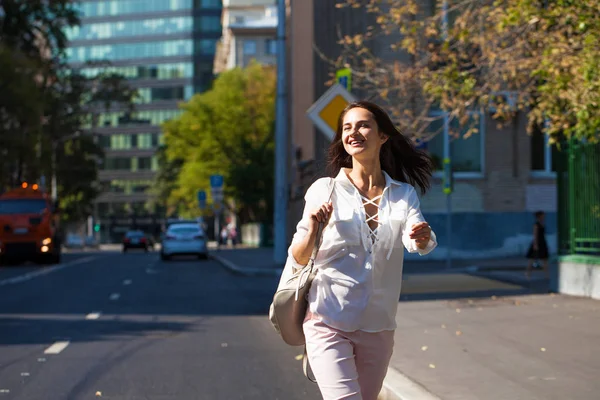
(74, 241)
(184, 239)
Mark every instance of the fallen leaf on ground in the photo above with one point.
(299, 357)
(424, 348)
(494, 297)
(543, 349)
(554, 305)
(432, 366)
(479, 308)
(458, 310)
(458, 333)
(98, 394)
(444, 326)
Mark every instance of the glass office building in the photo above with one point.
(166, 49)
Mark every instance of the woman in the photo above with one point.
(373, 212)
(538, 250)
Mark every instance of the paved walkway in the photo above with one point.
(479, 333)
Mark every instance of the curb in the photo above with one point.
(398, 386)
(245, 271)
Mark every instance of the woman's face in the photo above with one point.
(360, 135)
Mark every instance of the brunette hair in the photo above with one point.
(398, 155)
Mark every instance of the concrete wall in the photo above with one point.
(579, 276)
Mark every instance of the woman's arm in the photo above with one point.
(417, 236)
(535, 236)
(303, 242)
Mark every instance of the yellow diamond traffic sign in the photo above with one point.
(324, 113)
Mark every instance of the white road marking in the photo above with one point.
(151, 271)
(127, 282)
(3, 391)
(57, 347)
(45, 271)
(93, 315)
(25, 374)
(115, 296)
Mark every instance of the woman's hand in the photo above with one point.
(320, 214)
(421, 233)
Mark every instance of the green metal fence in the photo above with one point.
(578, 180)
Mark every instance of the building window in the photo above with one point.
(118, 164)
(160, 71)
(271, 46)
(466, 154)
(208, 3)
(208, 23)
(147, 27)
(249, 47)
(144, 163)
(130, 51)
(120, 7)
(144, 141)
(542, 154)
(206, 46)
(120, 142)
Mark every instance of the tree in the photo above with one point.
(500, 56)
(47, 109)
(227, 130)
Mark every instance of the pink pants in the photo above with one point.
(347, 365)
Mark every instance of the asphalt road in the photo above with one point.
(128, 326)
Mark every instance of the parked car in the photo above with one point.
(74, 241)
(184, 239)
(135, 240)
(91, 242)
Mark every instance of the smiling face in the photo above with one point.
(360, 134)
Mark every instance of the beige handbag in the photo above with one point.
(288, 310)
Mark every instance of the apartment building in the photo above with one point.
(502, 175)
(249, 33)
(166, 50)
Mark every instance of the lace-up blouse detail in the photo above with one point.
(359, 264)
(372, 233)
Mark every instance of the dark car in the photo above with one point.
(135, 240)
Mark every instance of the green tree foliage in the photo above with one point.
(499, 56)
(227, 130)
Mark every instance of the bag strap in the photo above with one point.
(313, 256)
(305, 365)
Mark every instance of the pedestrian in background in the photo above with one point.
(224, 236)
(538, 250)
(373, 213)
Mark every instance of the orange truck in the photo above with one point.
(29, 226)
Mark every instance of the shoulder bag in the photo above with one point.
(290, 302)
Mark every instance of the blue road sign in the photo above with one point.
(216, 181)
(344, 78)
(202, 199)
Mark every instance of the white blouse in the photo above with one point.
(359, 270)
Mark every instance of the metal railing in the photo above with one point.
(578, 179)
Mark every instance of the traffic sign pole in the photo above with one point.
(216, 192)
(281, 142)
(448, 188)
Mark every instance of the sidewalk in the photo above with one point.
(529, 347)
(483, 343)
